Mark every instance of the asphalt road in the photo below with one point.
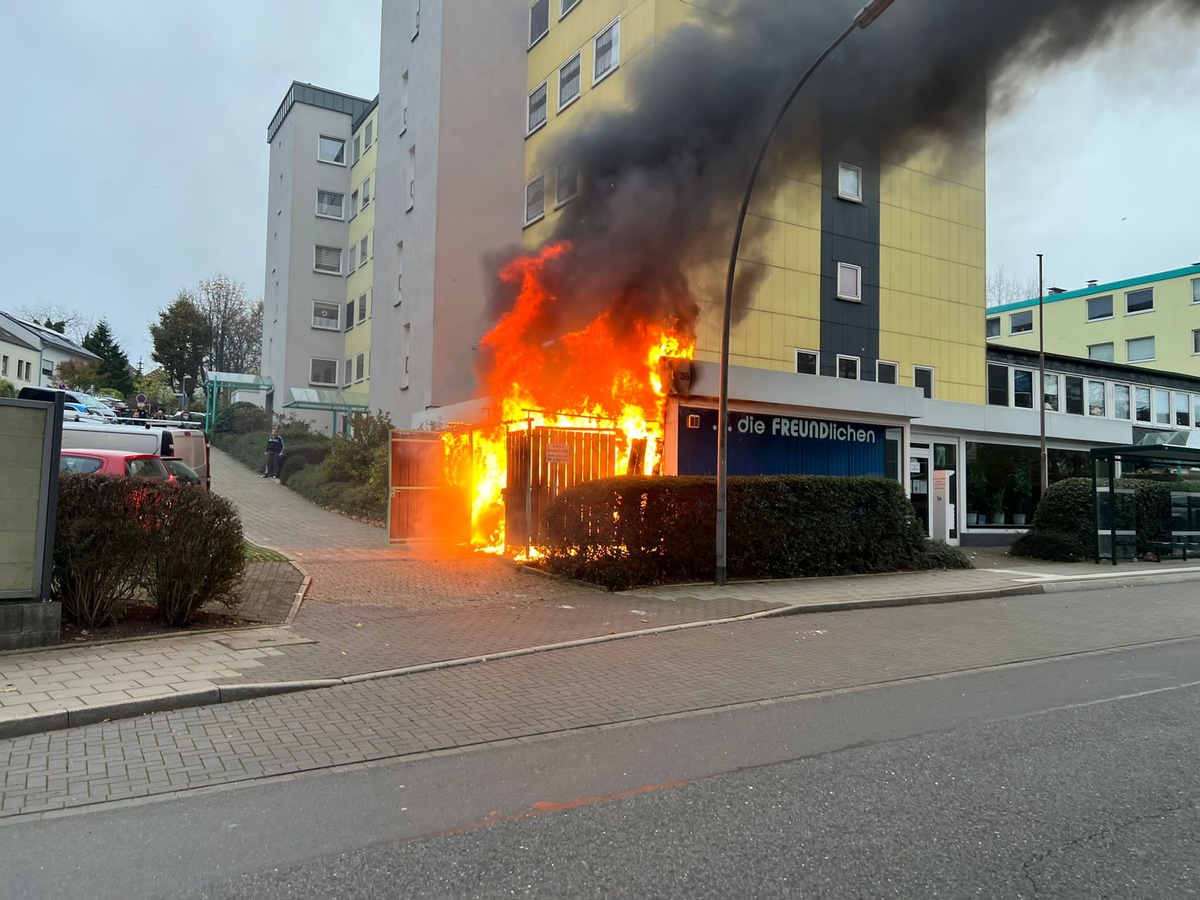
(1074, 777)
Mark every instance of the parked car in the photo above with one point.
(76, 461)
(182, 472)
(92, 405)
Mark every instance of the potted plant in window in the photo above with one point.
(976, 495)
(998, 516)
(1022, 486)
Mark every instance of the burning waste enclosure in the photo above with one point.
(618, 284)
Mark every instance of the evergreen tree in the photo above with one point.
(114, 363)
(182, 339)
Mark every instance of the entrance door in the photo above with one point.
(919, 477)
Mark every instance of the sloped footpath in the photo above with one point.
(374, 612)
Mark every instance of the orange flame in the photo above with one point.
(605, 375)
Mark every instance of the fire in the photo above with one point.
(606, 375)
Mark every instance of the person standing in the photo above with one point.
(273, 455)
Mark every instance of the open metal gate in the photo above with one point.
(542, 463)
(423, 506)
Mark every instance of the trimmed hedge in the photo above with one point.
(118, 537)
(630, 531)
(1062, 526)
(240, 418)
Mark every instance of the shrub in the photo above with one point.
(198, 555)
(240, 418)
(7, 388)
(100, 552)
(936, 555)
(291, 465)
(623, 532)
(1062, 527)
(362, 459)
(114, 536)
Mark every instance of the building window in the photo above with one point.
(357, 149)
(1196, 340)
(847, 367)
(325, 315)
(1074, 395)
(993, 327)
(362, 308)
(323, 372)
(1021, 322)
(849, 282)
(997, 385)
(1096, 398)
(1023, 388)
(568, 81)
(850, 182)
(539, 20)
(1162, 407)
(348, 378)
(566, 186)
(923, 378)
(399, 273)
(366, 193)
(1139, 301)
(1139, 349)
(330, 204)
(328, 259)
(1183, 410)
(608, 51)
(537, 109)
(565, 6)
(354, 204)
(1101, 352)
(404, 102)
(368, 135)
(1099, 308)
(1121, 401)
(807, 362)
(360, 367)
(349, 315)
(1050, 392)
(4, 366)
(535, 199)
(412, 175)
(1141, 404)
(362, 249)
(331, 150)
(1196, 290)
(885, 372)
(405, 353)
(353, 258)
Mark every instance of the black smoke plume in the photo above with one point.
(660, 183)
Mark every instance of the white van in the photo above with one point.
(188, 444)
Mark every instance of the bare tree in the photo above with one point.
(235, 324)
(57, 317)
(1003, 287)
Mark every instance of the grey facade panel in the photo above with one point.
(850, 234)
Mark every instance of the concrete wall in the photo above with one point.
(465, 101)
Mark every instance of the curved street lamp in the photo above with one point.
(866, 16)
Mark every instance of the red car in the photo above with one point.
(112, 462)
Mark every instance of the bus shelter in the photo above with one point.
(230, 381)
(1146, 500)
(328, 400)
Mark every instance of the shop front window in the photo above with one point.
(1004, 483)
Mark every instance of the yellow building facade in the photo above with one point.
(906, 230)
(356, 365)
(1152, 321)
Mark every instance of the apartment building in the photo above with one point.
(30, 354)
(306, 286)
(360, 280)
(1150, 322)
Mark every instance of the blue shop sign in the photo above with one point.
(768, 444)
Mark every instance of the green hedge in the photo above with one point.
(1062, 526)
(116, 538)
(630, 531)
(240, 418)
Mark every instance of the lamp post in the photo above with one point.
(1043, 462)
(866, 16)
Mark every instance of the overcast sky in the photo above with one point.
(137, 150)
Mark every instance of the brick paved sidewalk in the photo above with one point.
(372, 610)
